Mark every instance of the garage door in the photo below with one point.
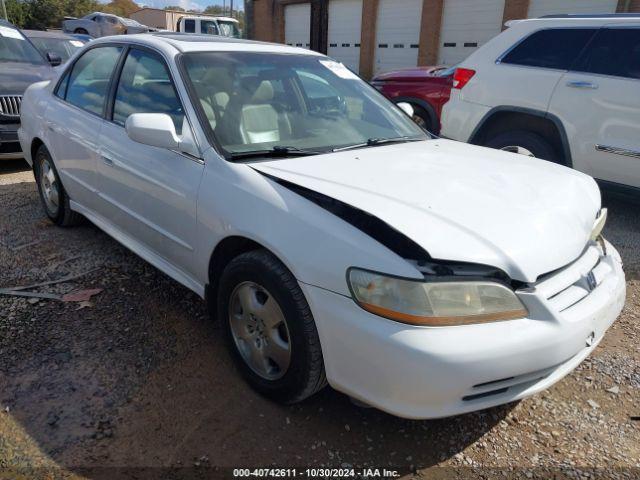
(397, 34)
(538, 8)
(297, 25)
(345, 18)
(466, 25)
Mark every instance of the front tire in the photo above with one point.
(524, 143)
(269, 328)
(53, 196)
(81, 31)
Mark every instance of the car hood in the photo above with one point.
(461, 202)
(15, 77)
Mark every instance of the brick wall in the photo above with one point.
(430, 27)
(368, 37)
(514, 10)
(268, 25)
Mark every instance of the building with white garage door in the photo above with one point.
(372, 36)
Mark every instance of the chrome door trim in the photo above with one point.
(617, 151)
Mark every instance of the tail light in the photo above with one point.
(462, 76)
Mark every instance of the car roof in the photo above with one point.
(47, 34)
(171, 42)
(579, 20)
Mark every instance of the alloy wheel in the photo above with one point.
(49, 186)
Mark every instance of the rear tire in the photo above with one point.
(527, 143)
(53, 196)
(252, 287)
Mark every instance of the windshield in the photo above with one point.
(15, 48)
(61, 46)
(229, 29)
(257, 101)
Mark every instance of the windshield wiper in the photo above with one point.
(372, 142)
(275, 152)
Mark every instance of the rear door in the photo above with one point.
(75, 118)
(149, 193)
(527, 73)
(599, 104)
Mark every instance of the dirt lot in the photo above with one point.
(138, 377)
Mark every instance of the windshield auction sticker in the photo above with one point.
(339, 69)
(10, 33)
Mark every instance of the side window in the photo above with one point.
(61, 91)
(614, 51)
(145, 87)
(190, 26)
(554, 48)
(89, 82)
(208, 27)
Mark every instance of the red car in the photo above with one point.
(425, 88)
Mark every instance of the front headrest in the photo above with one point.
(264, 92)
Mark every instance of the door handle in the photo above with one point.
(107, 161)
(582, 84)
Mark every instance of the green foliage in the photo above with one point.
(122, 8)
(175, 8)
(41, 14)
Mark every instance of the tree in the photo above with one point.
(18, 12)
(122, 8)
(175, 8)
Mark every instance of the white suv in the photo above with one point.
(564, 88)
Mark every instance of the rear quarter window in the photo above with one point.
(552, 48)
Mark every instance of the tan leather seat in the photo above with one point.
(260, 122)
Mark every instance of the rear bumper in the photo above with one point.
(9, 143)
(422, 372)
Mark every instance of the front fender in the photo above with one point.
(315, 245)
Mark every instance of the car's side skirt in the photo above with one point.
(141, 250)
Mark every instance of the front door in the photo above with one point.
(599, 103)
(149, 193)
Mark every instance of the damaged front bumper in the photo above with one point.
(430, 372)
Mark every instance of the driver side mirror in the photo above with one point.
(406, 108)
(54, 59)
(158, 130)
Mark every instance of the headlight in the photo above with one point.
(439, 303)
(598, 225)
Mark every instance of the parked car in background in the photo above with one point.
(224, 26)
(57, 42)
(563, 88)
(425, 88)
(422, 276)
(82, 37)
(21, 64)
(102, 24)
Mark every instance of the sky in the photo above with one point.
(189, 4)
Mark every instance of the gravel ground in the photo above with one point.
(137, 377)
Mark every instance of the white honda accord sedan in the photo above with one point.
(335, 240)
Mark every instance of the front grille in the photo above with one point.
(568, 286)
(10, 105)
